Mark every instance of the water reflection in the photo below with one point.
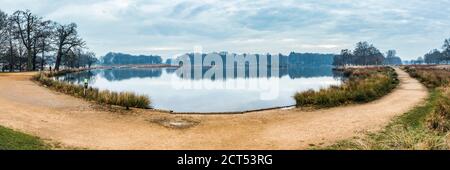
(120, 74)
(158, 84)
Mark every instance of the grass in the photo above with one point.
(407, 132)
(362, 85)
(429, 76)
(426, 127)
(13, 140)
(63, 72)
(439, 118)
(416, 117)
(125, 99)
(439, 79)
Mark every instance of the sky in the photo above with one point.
(172, 27)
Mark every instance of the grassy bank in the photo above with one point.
(423, 128)
(439, 119)
(439, 79)
(13, 140)
(361, 85)
(429, 76)
(125, 99)
(63, 72)
(407, 132)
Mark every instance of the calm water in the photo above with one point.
(169, 90)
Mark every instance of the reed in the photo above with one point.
(125, 99)
(361, 85)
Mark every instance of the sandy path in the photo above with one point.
(27, 107)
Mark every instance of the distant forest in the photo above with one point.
(366, 54)
(121, 58)
(435, 56)
(305, 59)
(363, 54)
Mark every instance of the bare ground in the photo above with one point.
(72, 122)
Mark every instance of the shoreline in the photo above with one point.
(137, 66)
(229, 113)
(76, 123)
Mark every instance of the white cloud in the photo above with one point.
(100, 11)
(319, 46)
(140, 26)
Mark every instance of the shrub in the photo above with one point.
(125, 99)
(361, 85)
(439, 119)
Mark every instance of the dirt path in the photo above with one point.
(72, 122)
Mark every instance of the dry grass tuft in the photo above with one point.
(363, 85)
(125, 99)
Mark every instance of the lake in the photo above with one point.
(170, 90)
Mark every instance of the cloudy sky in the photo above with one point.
(169, 27)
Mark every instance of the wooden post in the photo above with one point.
(85, 87)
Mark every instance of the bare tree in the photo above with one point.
(26, 24)
(87, 59)
(91, 59)
(66, 39)
(22, 54)
(44, 36)
(446, 50)
(3, 32)
(9, 42)
(11, 47)
(3, 25)
(25, 36)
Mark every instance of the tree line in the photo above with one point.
(438, 57)
(29, 42)
(121, 58)
(293, 59)
(366, 54)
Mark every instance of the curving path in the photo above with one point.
(72, 122)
